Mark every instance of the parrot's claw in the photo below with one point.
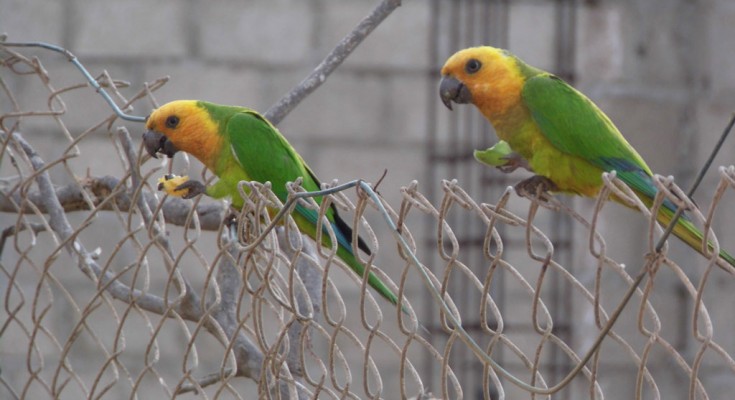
(193, 189)
(181, 186)
(536, 186)
(502, 157)
(506, 169)
(514, 161)
(170, 183)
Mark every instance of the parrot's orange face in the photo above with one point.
(487, 77)
(182, 125)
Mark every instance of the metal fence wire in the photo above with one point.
(111, 290)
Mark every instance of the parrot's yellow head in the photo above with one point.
(487, 77)
(183, 125)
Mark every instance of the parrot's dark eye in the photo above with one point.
(472, 66)
(172, 122)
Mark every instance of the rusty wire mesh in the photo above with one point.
(111, 290)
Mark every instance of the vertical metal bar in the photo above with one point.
(431, 177)
(561, 224)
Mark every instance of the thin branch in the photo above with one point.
(344, 48)
(71, 199)
(16, 229)
(205, 381)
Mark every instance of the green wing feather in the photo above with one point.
(575, 126)
(265, 155)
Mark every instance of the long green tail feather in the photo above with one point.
(373, 279)
(689, 234)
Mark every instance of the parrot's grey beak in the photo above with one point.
(155, 143)
(452, 90)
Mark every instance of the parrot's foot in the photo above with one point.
(180, 186)
(193, 188)
(170, 183)
(502, 157)
(536, 186)
(513, 162)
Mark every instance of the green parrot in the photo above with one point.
(238, 144)
(564, 138)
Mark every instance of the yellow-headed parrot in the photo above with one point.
(238, 144)
(553, 130)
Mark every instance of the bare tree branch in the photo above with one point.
(344, 48)
(71, 199)
(205, 381)
(16, 229)
(60, 225)
(248, 357)
(224, 318)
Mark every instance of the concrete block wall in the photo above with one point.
(661, 69)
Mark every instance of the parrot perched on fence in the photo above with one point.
(553, 130)
(238, 144)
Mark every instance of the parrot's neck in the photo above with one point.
(205, 147)
(509, 121)
(516, 127)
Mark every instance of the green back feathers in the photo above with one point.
(577, 127)
(255, 150)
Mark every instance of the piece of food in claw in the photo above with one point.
(495, 156)
(168, 184)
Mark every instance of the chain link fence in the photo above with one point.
(111, 290)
